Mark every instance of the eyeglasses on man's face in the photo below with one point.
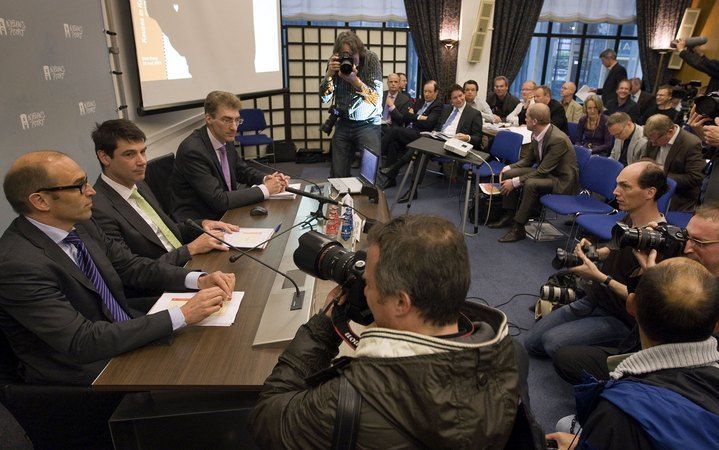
(79, 186)
(701, 243)
(227, 121)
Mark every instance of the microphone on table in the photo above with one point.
(322, 200)
(314, 185)
(194, 225)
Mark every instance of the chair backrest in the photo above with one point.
(253, 120)
(506, 146)
(600, 176)
(157, 176)
(583, 155)
(663, 202)
(573, 128)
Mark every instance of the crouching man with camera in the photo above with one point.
(601, 318)
(436, 371)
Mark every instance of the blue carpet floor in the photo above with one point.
(499, 272)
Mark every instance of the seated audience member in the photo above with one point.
(395, 103)
(629, 139)
(519, 115)
(593, 132)
(125, 207)
(679, 152)
(501, 101)
(208, 172)
(572, 109)
(470, 95)
(664, 105)
(459, 121)
(428, 343)
(702, 245)
(543, 94)
(62, 305)
(616, 74)
(622, 102)
(642, 98)
(664, 396)
(393, 142)
(556, 172)
(600, 318)
(403, 84)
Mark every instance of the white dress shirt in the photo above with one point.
(217, 145)
(483, 107)
(451, 128)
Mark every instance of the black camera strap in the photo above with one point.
(349, 404)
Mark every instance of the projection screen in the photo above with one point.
(187, 48)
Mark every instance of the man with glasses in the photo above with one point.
(629, 139)
(208, 174)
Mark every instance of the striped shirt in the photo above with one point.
(348, 99)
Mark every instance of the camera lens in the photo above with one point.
(707, 105)
(563, 259)
(557, 294)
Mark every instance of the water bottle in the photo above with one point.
(333, 221)
(347, 224)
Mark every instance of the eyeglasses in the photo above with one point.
(229, 121)
(80, 187)
(700, 243)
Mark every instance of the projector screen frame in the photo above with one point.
(142, 111)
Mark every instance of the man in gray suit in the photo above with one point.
(62, 305)
(126, 208)
(629, 139)
(556, 173)
(680, 153)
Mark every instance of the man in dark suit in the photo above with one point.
(617, 73)
(557, 115)
(622, 102)
(395, 104)
(501, 101)
(62, 305)
(126, 208)
(418, 118)
(556, 173)
(679, 152)
(207, 172)
(461, 121)
(642, 98)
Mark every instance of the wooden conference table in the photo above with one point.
(221, 357)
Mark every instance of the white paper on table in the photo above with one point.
(284, 195)
(250, 237)
(222, 318)
(584, 92)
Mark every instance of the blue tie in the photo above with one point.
(450, 119)
(423, 109)
(89, 269)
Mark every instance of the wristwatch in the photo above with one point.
(607, 281)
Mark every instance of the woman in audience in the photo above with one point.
(593, 132)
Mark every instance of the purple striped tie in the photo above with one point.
(225, 167)
(89, 269)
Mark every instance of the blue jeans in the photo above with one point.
(563, 327)
(351, 136)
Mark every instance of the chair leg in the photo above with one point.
(573, 231)
(538, 232)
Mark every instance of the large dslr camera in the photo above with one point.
(708, 105)
(326, 259)
(331, 120)
(666, 239)
(565, 260)
(346, 63)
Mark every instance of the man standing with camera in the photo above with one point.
(354, 80)
(436, 371)
(600, 318)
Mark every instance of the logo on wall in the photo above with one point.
(72, 31)
(32, 120)
(87, 107)
(53, 72)
(12, 27)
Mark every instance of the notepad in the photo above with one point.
(250, 237)
(284, 195)
(222, 318)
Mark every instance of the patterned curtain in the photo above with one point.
(657, 24)
(514, 22)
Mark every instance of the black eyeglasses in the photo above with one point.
(80, 187)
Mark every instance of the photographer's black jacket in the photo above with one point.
(703, 64)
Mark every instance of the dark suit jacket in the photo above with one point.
(55, 320)
(646, 101)
(401, 104)
(684, 164)
(558, 116)
(609, 89)
(470, 123)
(504, 108)
(559, 162)
(433, 111)
(629, 107)
(198, 187)
(122, 223)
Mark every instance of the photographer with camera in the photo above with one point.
(436, 371)
(600, 318)
(354, 81)
(698, 61)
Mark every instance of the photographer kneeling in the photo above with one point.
(436, 372)
(601, 318)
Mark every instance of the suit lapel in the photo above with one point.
(212, 155)
(147, 194)
(673, 151)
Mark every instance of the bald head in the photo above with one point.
(29, 173)
(677, 301)
(393, 84)
(568, 89)
(539, 112)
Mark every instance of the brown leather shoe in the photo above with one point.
(516, 233)
(503, 222)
